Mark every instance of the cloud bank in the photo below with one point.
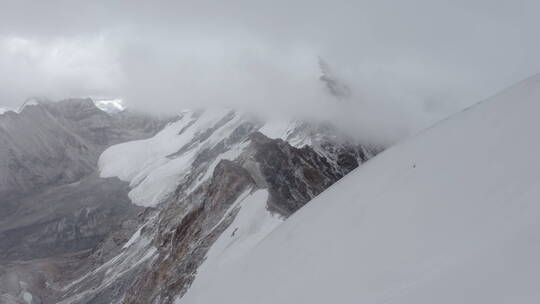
(406, 63)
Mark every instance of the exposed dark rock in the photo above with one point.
(294, 176)
(184, 241)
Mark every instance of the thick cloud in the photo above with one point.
(406, 63)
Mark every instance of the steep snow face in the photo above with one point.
(288, 131)
(252, 223)
(450, 216)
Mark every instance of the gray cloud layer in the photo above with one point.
(407, 62)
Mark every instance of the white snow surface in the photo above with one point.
(27, 297)
(134, 238)
(110, 105)
(284, 130)
(277, 129)
(148, 165)
(450, 216)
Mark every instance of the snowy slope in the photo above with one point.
(155, 166)
(450, 216)
(150, 165)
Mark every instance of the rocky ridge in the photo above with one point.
(163, 211)
(226, 161)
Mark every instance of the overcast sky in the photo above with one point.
(407, 62)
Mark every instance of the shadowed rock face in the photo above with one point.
(294, 176)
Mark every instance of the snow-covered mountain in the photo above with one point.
(449, 216)
(216, 181)
(212, 208)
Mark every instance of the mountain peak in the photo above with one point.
(334, 84)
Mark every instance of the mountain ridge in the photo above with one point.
(425, 221)
(109, 230)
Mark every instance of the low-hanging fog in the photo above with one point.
(404, 64)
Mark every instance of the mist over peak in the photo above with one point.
(399, 66)
(287, 151)
(335, 86)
